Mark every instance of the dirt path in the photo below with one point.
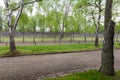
(32, 67)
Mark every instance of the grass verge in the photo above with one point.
(50, 49)
(30, 50)
(87, 75)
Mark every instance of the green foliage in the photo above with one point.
(23, 23)
(13, 4)
(24, 19)
(74, 14)
(50, 14)
(82, 3)
(117, 28)
(53, 20)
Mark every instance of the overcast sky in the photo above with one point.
(1, 3)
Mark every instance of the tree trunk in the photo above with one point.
(96, 39)
(9, 14)
(97, 24)
(117, 38)
(0, 28)
(42, 40)
(85, 38)
(107, 56)
(12, 42)
(23, 37)
(107, 63)
(70, 38)
(61, 37)
(62, 30)
(34, 36)
(54, 38)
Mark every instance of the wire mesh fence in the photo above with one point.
(48, 38)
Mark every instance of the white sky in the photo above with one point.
(1, 3)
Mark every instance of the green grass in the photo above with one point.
(87, 75)
(50, 38)
(27, 39)
(50, 48)
(30, 38)
(117, 44)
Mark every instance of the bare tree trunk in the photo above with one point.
(97, 29)
(23, 37)
(97, 24)
(61, 33)
(0, 39)
(67, 8)
(0, 28)
(97, 39)
(54, 37)
(34, 36)
(11, 33)
(11, 27)
(107, 63)
(73, 37)
(107, 56)
(12, 42)
(85, 38)
(42, 40)
(61, 37)
(70, 38)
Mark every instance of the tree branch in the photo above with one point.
(96, 4)
(18, 15)
(26, 4)
(94, 18)
(6, 3)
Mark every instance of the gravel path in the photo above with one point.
(33, 67)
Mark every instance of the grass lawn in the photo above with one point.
(30, 39)
(27, 39)
(87, 75)
(50, 48)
